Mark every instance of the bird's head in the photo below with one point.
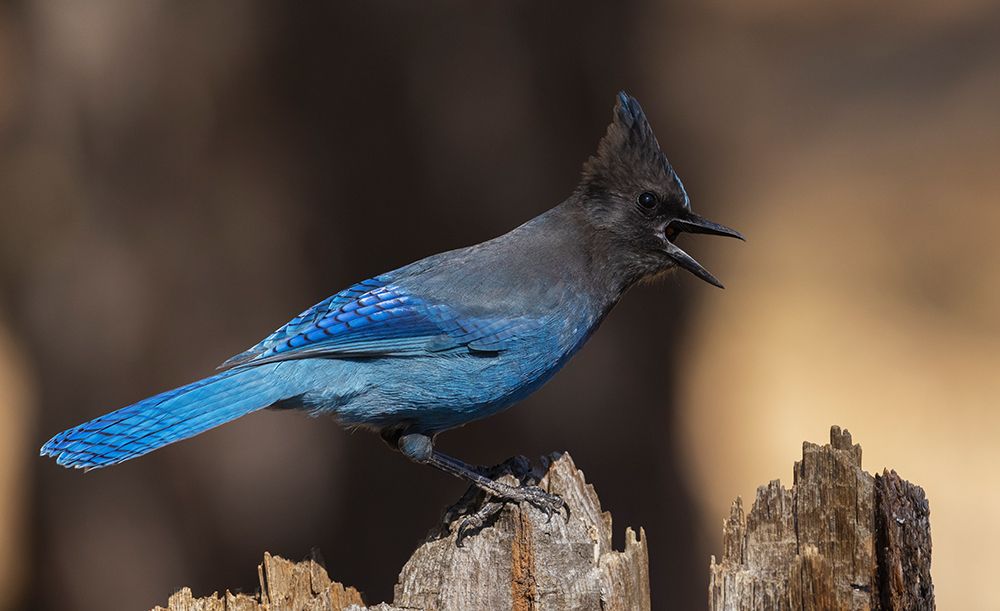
(635, 201)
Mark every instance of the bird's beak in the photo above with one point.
(692, 223)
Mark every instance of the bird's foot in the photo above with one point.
(493, 504)
(492, 494)
(549, 504)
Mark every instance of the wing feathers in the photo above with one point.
(376, 318)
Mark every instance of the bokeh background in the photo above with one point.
(179, 178)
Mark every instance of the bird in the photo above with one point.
(451, 338)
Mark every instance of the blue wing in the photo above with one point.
(378, 318)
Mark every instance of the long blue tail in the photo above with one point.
(165, 418)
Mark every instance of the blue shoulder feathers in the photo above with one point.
(379, 318)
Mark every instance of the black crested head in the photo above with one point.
(628, 152)
(636, 203)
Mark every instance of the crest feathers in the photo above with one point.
(628, 143)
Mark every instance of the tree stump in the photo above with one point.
(839, 539)
(520, 561)
(284, 586)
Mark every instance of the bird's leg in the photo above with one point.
(544, 501)
(420, 448)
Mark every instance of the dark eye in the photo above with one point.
(648, 200)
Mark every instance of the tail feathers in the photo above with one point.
(163, 419)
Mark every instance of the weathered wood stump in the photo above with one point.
(521, 561)
(284, 585)
(839, 539)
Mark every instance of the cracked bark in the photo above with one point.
(839, 539)
(520, 561)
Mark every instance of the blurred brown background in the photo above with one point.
(179, 178)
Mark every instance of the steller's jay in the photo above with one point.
(449, 339)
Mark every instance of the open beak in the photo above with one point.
(692, 223)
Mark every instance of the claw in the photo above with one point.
(545, 502)
(476, 521)
(460, 535)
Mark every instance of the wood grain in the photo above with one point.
(521, 561)
(839, 539)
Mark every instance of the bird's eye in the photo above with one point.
(648, 200)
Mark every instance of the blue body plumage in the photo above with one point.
(404, 347)
(449, 339)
